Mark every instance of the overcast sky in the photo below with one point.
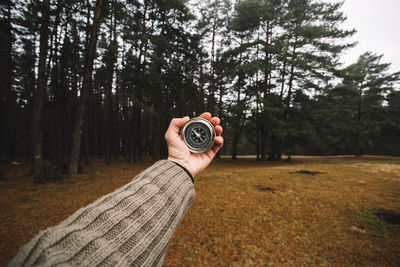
(378, 29)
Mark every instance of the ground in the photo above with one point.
(309, 211)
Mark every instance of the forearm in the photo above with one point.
(132, 225)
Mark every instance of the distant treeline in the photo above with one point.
(83, 78)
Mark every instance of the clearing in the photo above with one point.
(309, 211)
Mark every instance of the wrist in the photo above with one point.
(183, 166)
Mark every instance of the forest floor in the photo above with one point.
(309, 211)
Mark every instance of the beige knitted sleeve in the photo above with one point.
(131, 226)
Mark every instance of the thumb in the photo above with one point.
(176, 124)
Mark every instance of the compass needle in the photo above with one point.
(198, 134)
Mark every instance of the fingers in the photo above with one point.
(218, 142)
(177, 123)
(218, 130)
(215, 121)
(206, 115)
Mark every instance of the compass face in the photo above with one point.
(198, 134)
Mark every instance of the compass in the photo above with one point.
(198, 134)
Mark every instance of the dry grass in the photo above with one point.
(245, 213)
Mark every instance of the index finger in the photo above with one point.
(206, 115)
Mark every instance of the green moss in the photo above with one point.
(369, 222)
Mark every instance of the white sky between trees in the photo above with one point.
(378, 29)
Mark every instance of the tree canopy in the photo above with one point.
(84, 79)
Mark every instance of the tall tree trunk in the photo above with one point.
(280, 141)
(357, 149)
(58, 97)
(220, 106)
(258, 128)
(86, 142)
(201, 85)
(212, 85)
(264, 126)
(267, 67)
(131, 136)
(289, 95)
(138, 133)
(235, 142)
(238, 116)
(258, 121)
(117, 117)
(264, 144)
(87, 31)
(6, 82)
(86, 86)
(221, 92)
(40, 92)
(108, 100)
(291, 79)
(76, 64)
(272, 155)
(282, 83)
(29, 91)
(94, 121)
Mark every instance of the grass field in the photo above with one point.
(246, 213)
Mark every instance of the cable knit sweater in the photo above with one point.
(131, 226)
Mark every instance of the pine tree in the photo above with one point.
(40, 92)
(367, 81)
(86, 86)
(6, 75)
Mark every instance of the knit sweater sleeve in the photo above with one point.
(131, 226)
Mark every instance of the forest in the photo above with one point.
(85, 79)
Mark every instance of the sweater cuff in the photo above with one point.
(188, 173)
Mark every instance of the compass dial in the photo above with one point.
(198, 134)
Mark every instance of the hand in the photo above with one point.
(178, 151)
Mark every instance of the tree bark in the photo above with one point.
(264, 130)
(357, 149)
(108, 107)
(201, 84)
(86, 86)
(235, 142)
(282, 83)
(291, 78)
(258, 128)
(239, 112)
(267, 68)
(212, 85)
(56, 89)
(258, 121)
(40, 93)
(6, 82)
(131, 135)
(221, 92)
(279, 145)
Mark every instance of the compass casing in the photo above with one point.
(200, 122)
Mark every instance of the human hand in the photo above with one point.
(178, 152)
